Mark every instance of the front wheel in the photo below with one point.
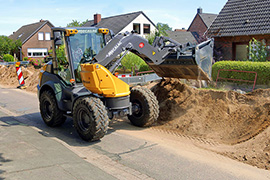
(90, 118)
(50, 113)
(145, 107)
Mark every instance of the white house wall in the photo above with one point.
(141, 19)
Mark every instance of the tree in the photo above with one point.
(161, 31)
(76, 23)
(162, 28)
(9, 46)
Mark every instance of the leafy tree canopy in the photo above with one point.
(161, 31)
(76, 23)
(9, 46)
(162, 28)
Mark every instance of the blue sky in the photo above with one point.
(176, 13)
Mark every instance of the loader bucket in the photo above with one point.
(195, 64)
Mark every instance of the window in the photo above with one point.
(47, 36)
(37, 52)
(63, 68)
(146, 28)
(241, 52)
(137, 27)
(40, 36)
(20, 36)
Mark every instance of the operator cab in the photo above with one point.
(74, 46)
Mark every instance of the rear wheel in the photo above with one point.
(50, 113)
(145, 107)
(90, 118)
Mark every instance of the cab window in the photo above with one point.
(63, 69)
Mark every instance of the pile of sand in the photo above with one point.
(224, 116)
(8, 77)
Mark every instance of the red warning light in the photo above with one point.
(141, 45)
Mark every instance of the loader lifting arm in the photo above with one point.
(166, 57)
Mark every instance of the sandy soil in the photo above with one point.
(8, 77)
(240, 122)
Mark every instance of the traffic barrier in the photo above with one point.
(19, 74)
(123, 75)
(232, 70)
(24, 63)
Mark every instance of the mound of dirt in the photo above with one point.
(224, 116)
(255, 152)
(8, 77)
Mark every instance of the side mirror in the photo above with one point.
(57, 38)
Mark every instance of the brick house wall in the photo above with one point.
(33, 42)
(198, 26)
(225, 47)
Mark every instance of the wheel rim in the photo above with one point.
(47, 109)
(139, 112)
(84, 120)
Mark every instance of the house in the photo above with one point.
(137, 21)
(200, 24)
(237, 23)
(182, 36)
(196, 31)
(35, 38)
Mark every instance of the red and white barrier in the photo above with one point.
(19, 74)
(123, 75)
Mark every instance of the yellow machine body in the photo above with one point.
(98, 79)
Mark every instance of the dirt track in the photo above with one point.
(238, 121)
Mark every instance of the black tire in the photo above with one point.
(147, 107)
(90, 118)
(50, 113)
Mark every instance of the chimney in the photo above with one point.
(199, 11)
(97, 18)
(42, 20)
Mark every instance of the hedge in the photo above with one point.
(262, 69)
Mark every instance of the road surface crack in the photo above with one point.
(144, 146)
(117, 156)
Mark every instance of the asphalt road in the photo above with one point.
(128, 152)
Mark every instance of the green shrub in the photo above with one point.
(144, 67)
(131, 60)
(8, 58)
(262, 69)
(25, 59)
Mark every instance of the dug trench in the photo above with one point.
(239, 122)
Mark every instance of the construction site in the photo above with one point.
(226, 122)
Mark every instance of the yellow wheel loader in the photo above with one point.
(78, 82)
